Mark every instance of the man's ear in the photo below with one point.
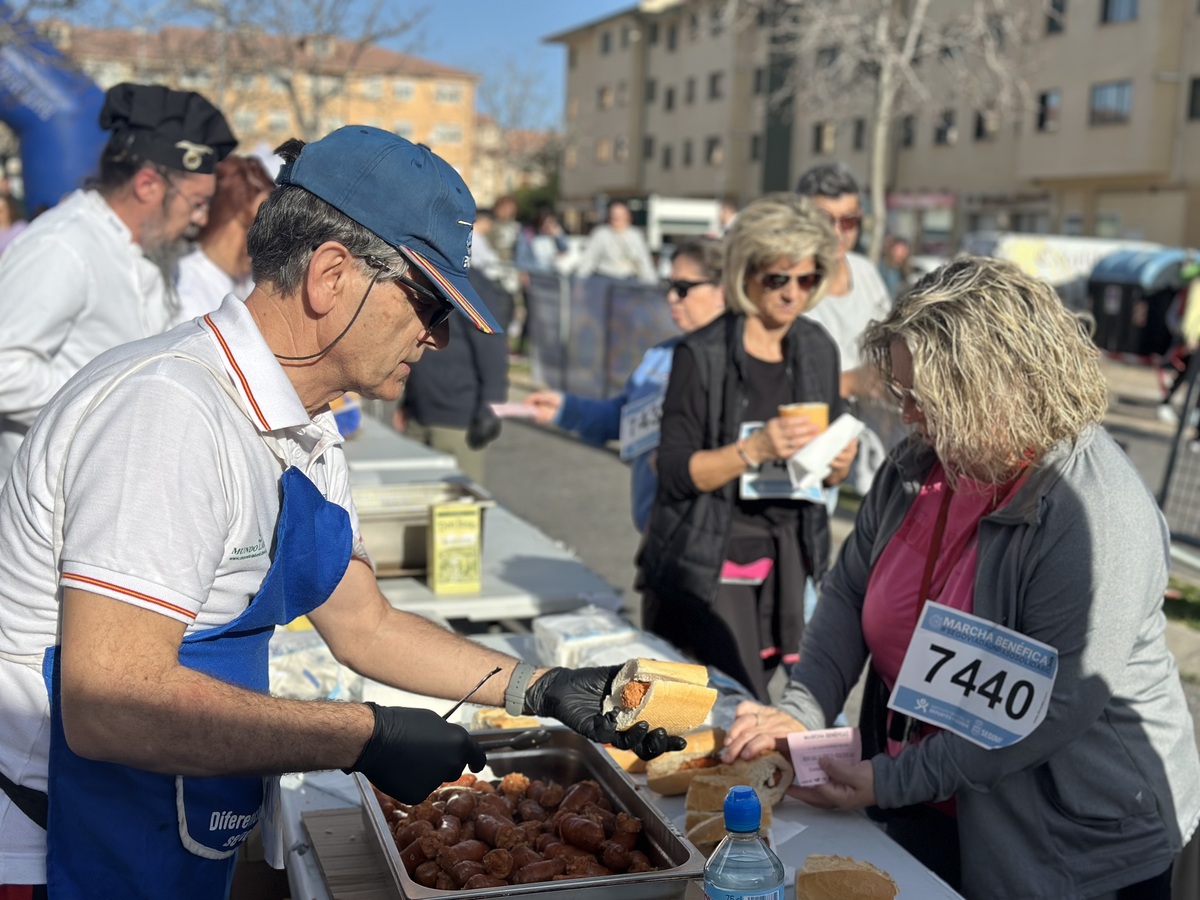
(329, 273)
(148, 186)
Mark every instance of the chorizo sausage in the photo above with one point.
(586, 867)
(580, 795)
(461, 804)
(552, 796)
(531, 811)
(582, 833)
(523, 855)
(539, 871)
(449, 857)
(614, 856)
(426, 873)
(483, 881)
(449, 828)
(445, 882)
(465, 871)
(627, 830)
(408, 831)
(639, 862)
(496, 832)
(498, 863)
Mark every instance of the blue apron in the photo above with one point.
(115, 831)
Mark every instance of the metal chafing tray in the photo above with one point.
(566, 757)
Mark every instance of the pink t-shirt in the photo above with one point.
(892, 603)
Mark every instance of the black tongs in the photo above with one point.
(515, 740)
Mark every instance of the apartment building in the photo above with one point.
(669, 97)
(266, 84)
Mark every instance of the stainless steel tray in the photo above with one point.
(566, 757)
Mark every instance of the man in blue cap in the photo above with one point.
(148, 567)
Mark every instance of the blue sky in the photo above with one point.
(478, 35)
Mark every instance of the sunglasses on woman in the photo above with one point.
(777, 281)
(680, 287)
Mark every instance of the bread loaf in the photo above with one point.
(671, 773)
(670, 695)
(769, 775)
(842, 878)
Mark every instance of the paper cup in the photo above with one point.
(817, 413)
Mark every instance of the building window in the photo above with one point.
(572, 56)
(714, 151)
(245, 120)
(624, 37)
(448, 92)
(1072, 225)
(622, 94)
(908, 131)
(755, 147)
(648, 147)
(987, 124)
(685, 158)
(604, 148)
(404, 129)
(693, 27)
(824, 138)
(1056, 17)
(651, 89)
(402, 89)
(716, 85)
(946, 132)
(1108, 225)
(278, 120)
(1118, 10)
(194, 79)
(446, 134)
(760, 81)
(666, 157)
(1111, 103)
(371, 87)
(1194, 100)
(331, 85)
(245, 81)
(860, 134)
(689, 91)
(652, 34)
(606, 43)
(604, 98)
(716, 19)
(572, 109)
(669, 99)
(621, 149)
(672, 42)
(1049, 103)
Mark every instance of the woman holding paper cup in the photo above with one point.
(694, 294)
(731, 540)
(1006, 577)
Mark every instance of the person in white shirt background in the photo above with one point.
(83, 277)
(617, 249)
(855, 296)
(220, 263)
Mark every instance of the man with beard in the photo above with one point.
(89, 274)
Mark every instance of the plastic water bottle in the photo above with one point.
(743, 867)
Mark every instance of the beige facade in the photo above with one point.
(252, 78)
(1109, 146)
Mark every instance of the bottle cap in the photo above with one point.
(743, 811)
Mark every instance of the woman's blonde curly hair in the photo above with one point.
(774, 227)
(1001, 370)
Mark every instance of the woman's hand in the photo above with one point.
(781, 437)
(546, 405)
(840, 467)
(850, 786)
(757, 729)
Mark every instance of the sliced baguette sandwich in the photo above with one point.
(671, 773)
(626, 759)
(669, 695)
(842, 878)
(769, 775)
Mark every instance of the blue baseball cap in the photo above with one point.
(407, 195)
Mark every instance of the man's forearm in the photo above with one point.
(187, 723)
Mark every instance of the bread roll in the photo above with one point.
(695, 817)
(706, 829)
(669, 695)
(494, 717)
(769, 775)
(671, 773)
(626, 759)
(842, 878)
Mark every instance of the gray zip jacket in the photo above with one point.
(1106, 790)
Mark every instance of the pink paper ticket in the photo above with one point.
(513, 410)
(809, 747)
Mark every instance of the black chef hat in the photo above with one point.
(177, 129)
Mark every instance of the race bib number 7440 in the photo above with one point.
(979, 680)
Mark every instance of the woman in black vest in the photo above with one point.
(730, 544)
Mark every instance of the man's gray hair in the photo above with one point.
(293, 222)
(827, 180)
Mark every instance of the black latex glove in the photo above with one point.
(484, 428)
(412, 751)
(574, 697)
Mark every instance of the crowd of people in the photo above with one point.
(172, 338)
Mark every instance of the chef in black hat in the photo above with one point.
(89, 274)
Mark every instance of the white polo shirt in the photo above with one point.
(72, 285)
(171, 501)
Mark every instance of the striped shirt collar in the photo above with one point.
(264, 386)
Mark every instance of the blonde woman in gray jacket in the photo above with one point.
(1050, 753)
